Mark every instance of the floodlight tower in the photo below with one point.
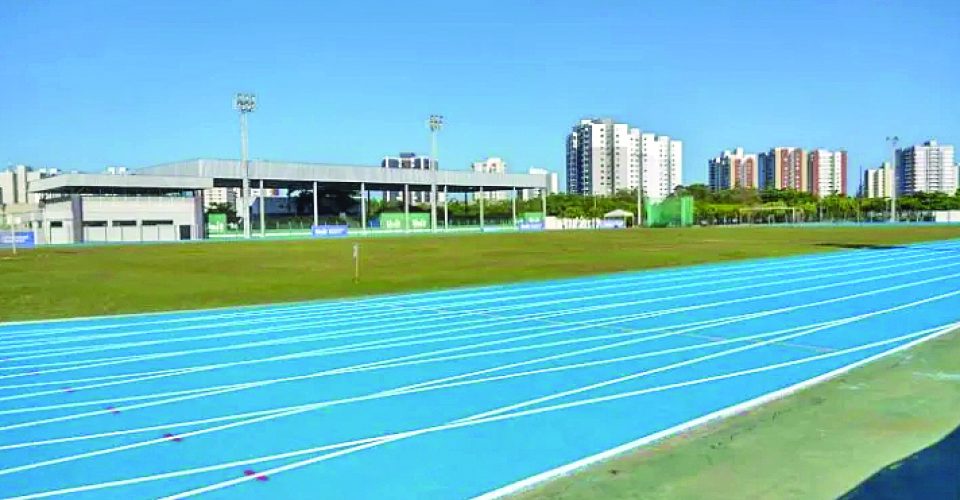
(893, 176)
(244, 104)
(435, 123)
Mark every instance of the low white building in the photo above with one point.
(80, 208)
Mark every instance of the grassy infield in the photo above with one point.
(816, 444)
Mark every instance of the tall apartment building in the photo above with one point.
(784, 168)
(492, 165)
(927, 167)
(877, 182)
(553, 183)
(604, 157)
(734, 169)
(408, 160)
(827, 171)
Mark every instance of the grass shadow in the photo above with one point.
(932, 473)
(860, 246)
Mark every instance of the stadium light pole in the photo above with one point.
(435, 123)
(244, 104)
(893, 140)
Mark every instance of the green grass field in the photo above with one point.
(818, 443)
(81, 281)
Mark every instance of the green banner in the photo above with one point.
(395, 220)
(531, 217)
(216, 223)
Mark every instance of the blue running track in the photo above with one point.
(446, 394)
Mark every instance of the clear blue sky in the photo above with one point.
(86, 84)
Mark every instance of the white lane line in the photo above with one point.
(912, 339)
(325, 373)
(365, 443)
(496, 413)
(930, 333)
(557, 313)
(728, 352)
(405, 312)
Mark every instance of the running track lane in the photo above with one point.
(446, 394)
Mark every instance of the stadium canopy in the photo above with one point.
(300, 175)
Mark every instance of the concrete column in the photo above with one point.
(481, 208)
(543, 198)
(433, 206)
(446, 211)
(406, 207)
(363, 207)
(316, 209)
(513, 206)
(263, 212)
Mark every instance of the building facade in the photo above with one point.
(15, 180)
(927, 168)
(410, 161)
(784, 167)
(734, 169)
(221, 196)
(877, 182)
(553, 183)
(492, 165)
(827, 171)
(604, 157)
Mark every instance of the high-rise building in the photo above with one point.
(827, 171)
(784, 168)
(927, 167)
(604, 157)
(492, 165)
(877, 181)
(412, 161)
(734, 169)
(553, 183)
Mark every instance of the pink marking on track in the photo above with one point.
(68, 389)
(35, 372)
(259, 477)
(112, 409)
(173, 437)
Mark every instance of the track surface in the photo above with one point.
(447, 394)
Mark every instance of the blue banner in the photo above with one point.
(328, 231)
(24, 239)
(530, 226)
(612, 224)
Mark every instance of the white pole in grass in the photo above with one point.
(356, 262)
